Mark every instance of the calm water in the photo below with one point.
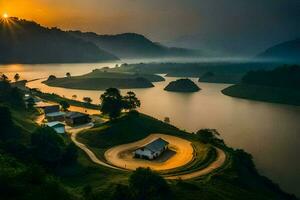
(270, 132)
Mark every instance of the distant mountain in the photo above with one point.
(132, 45)
(24, 41)
(286, 51)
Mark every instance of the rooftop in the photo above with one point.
(156, 145)
(55, 114)
(75, 114)
(53, 124)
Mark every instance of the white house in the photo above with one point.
(152, 150)
(57, 126)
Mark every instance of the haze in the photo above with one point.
(241, 27)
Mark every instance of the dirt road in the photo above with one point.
(180, 153)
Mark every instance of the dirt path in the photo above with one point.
(221, 158)
(89, 153)
(180, 153)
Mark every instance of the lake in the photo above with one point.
(270, 132)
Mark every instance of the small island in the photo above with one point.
(100, 79)
(182, 85)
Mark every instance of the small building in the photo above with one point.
(48, 108)
(55, 116)
(152, 150)
(57, 126)
(77, 118)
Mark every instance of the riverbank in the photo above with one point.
(264, 93)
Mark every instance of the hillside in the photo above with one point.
(24, 41)
(132, 45)
(101, 80)
(286, 51)
(281, 85)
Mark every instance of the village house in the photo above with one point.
(57, 126)
(152, 150)
(55, 116)
(77, 118)
(48, 108)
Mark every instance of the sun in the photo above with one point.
(5, 15)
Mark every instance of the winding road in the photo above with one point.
(218, 163)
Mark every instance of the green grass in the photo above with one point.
(263, 93)
(129, 128)
(56, 98)
(100, 80)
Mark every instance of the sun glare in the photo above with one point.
(5, 15)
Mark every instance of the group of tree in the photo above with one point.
(11, 95)
(8, 131)
(64, 105)
(209, 136)
(112, 102)
(144, 184)
(51, 149)
(285, 77)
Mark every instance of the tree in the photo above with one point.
(209, 136)
(30, 103)
(121, 192)
(16, 77)
(4, 78)
(74, 96)
(131, 102)
(71, 154)
(68, 75)
(8, 129)
(47, 145)
(65, 105)
(87, 100)
(111, 103)
(167, 120)
(148, 185)
(51, 78)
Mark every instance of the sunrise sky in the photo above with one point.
(198, 22)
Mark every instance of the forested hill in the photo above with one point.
(286, 51)
(283, 77)
(24, 41)
(132, 45)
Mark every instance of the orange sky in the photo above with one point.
(102, 16)
(224, 24)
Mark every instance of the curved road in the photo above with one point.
(221, 158)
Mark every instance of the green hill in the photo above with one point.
(101, 80)
(281, 85)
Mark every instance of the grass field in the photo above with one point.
(101, 80)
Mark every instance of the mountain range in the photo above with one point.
(23, 41)
(132, 45)
(286, 51)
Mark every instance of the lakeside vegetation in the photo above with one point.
(101, 79)
(281, 85)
